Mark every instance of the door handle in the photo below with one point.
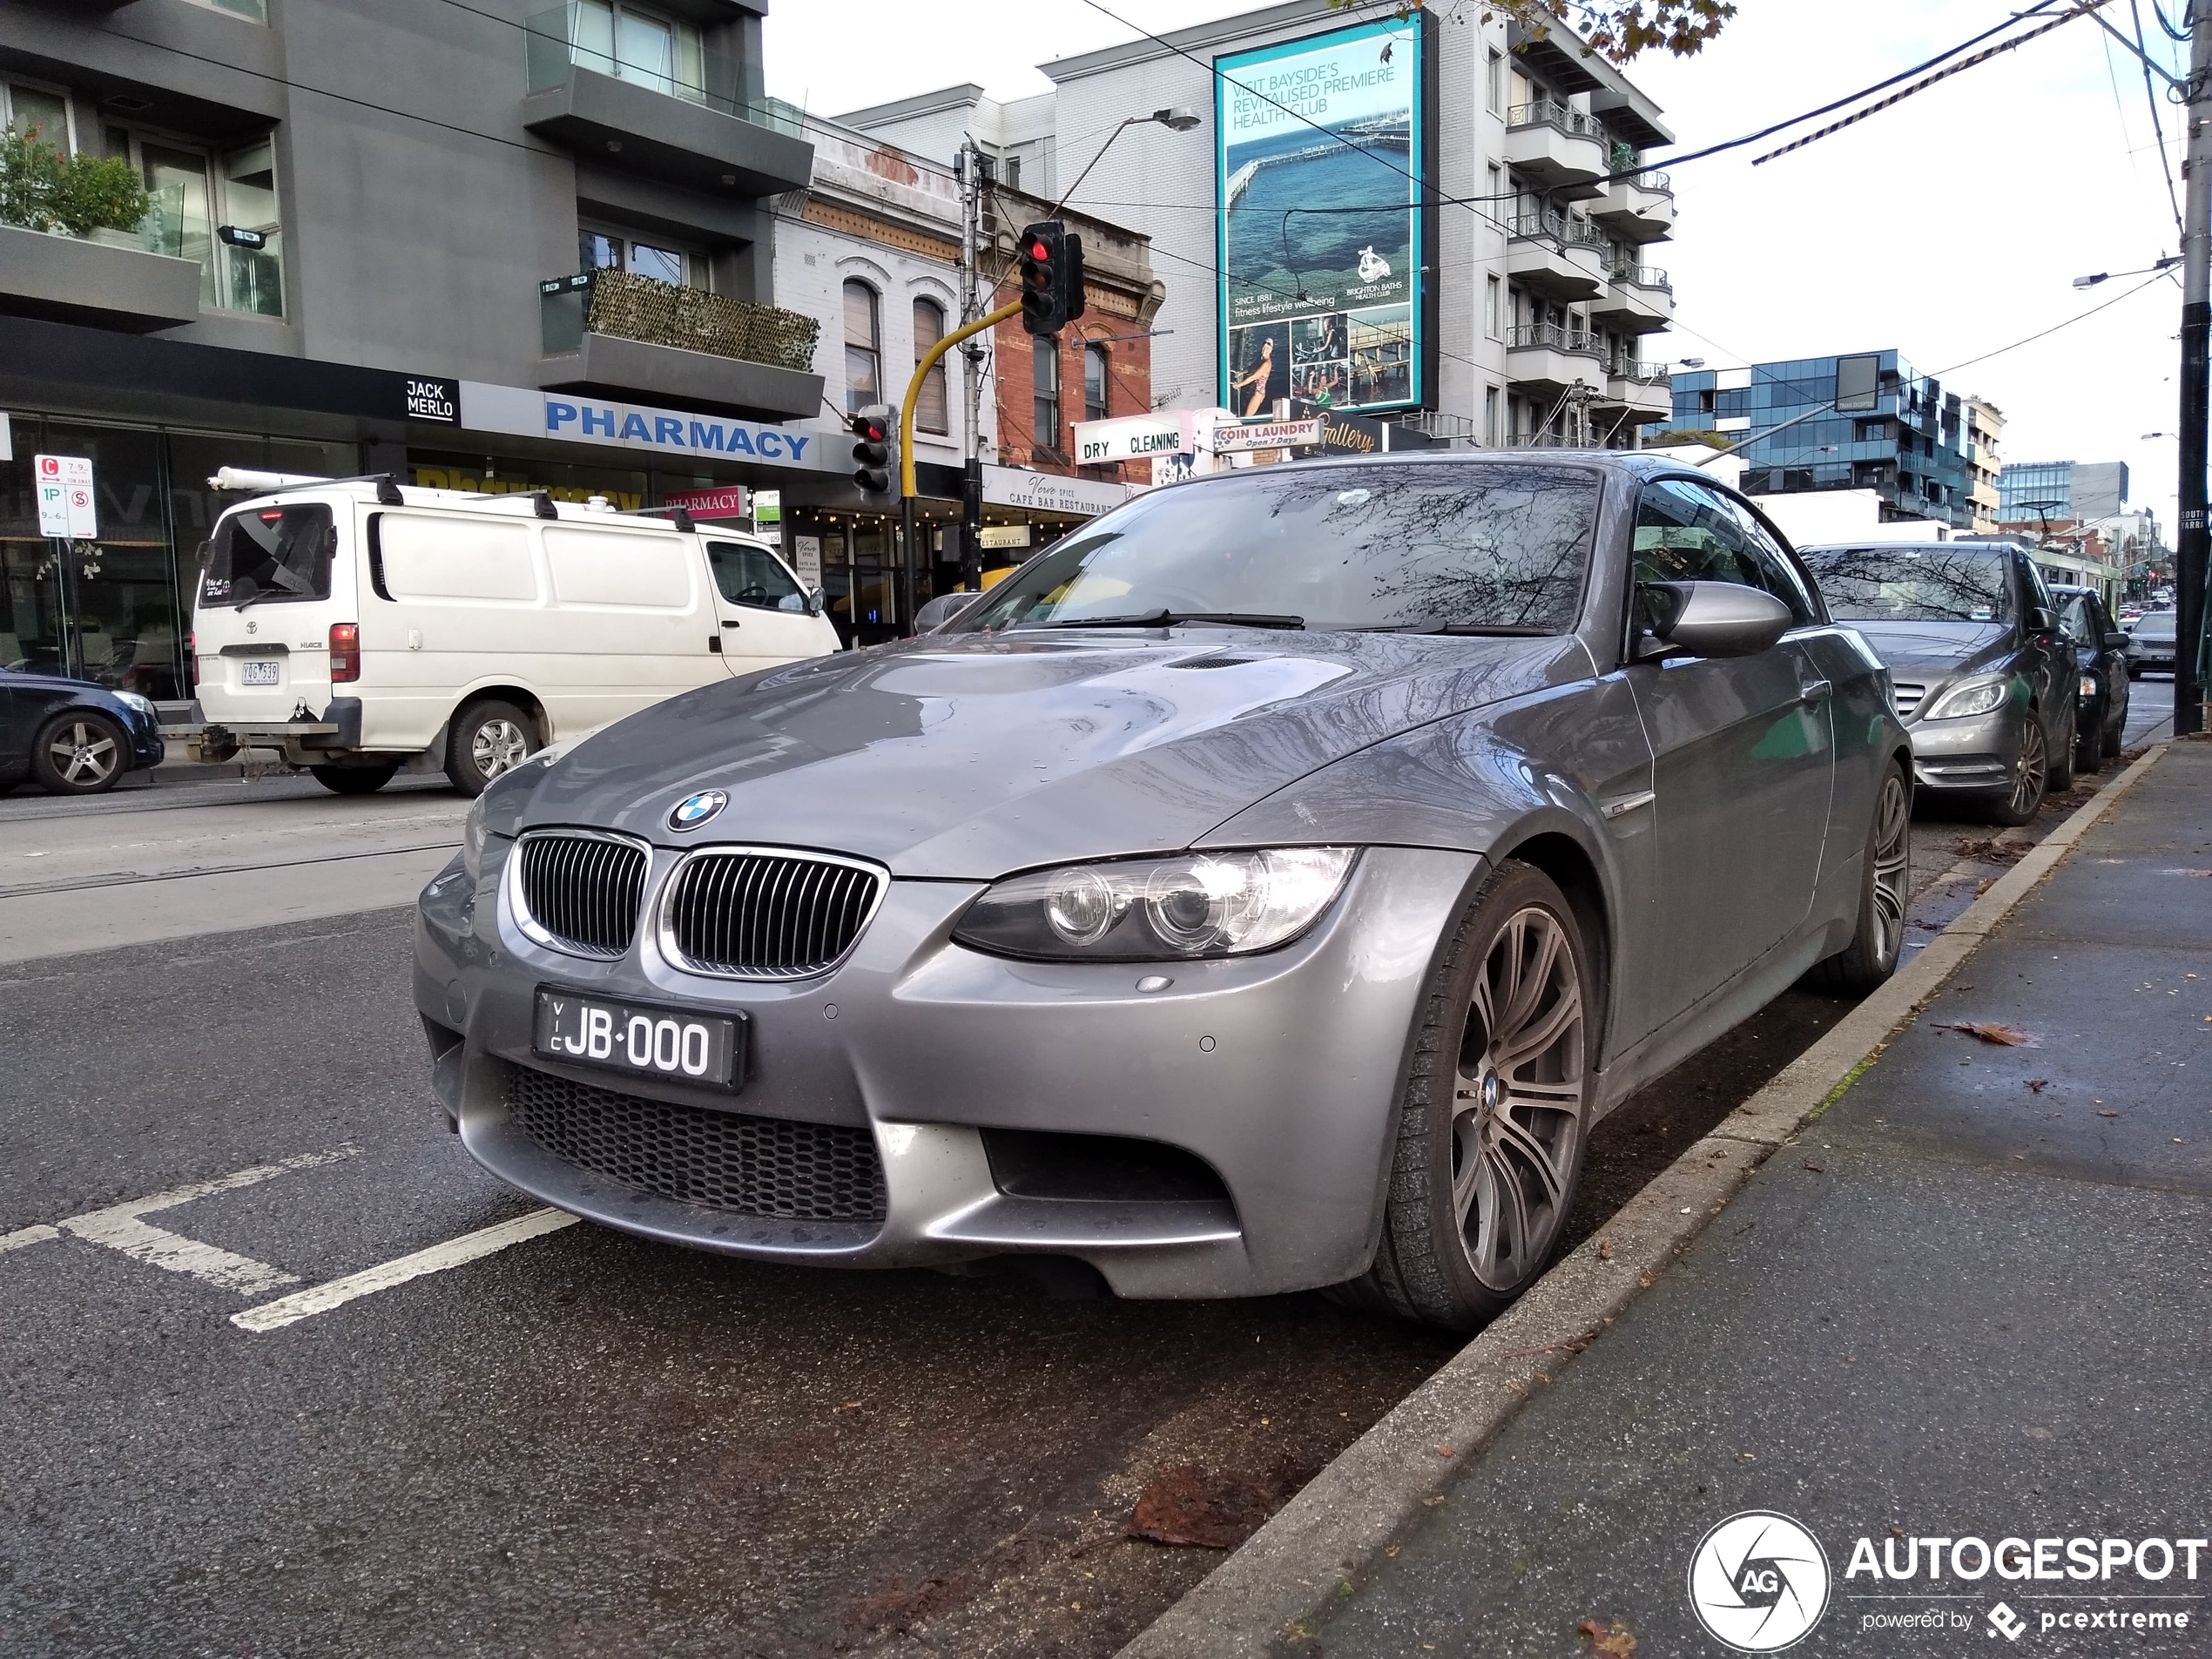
(1814, 691)
(729, 621)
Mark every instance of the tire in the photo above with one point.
(487, 740)
(355, 780)
(1884, 890)
(1469, 1155)
(2088, 748)
(2030, 778)
(2116, 731)
(79, 753)
(2061, 748)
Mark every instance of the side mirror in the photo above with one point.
(816, 602)
(2116, 642)
(1711, 619)
(2041, 619)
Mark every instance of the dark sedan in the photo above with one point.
(1265, 888)
(70, 737)
(1984, 679)
(2101, 661)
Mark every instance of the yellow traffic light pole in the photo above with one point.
(929, 361)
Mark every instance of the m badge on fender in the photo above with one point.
(695, 809)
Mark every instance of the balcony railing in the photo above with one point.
(668, 58)
(1652, 178)
(1568, 229)
(1636, 374)
(629, 306)
(1558, 114)
(1643, 276)
(1550, 336)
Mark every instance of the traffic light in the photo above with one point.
(1052, 277)
(874, 445)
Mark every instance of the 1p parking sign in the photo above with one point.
(65, 501)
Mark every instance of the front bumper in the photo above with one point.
(1973, 755)
(1280, 1072)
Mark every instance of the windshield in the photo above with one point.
(1472, 547)
(1933, 582)
(267, 554)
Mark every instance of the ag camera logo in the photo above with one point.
(695, 809)
(1758, 1582)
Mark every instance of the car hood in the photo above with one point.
(1929, 651)
(967, 755)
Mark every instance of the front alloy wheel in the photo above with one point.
(2030, 773)
(1491, 1124)
(79, 754)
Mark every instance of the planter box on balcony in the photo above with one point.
(63, 280)
(622, 124)
(634, 371)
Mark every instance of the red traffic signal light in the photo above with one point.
(871, 428)
(1052, 277)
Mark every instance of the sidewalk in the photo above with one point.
(1973, 1300)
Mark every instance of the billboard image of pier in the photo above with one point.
(1320, 155)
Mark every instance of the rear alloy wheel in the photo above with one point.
(1886, 887)
(355, 780)
(79, 754)
(2062, 745)
(488, 739)
(2031, 776)
(1491, 1127)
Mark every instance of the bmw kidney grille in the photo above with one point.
(747, 914)
(582, 892)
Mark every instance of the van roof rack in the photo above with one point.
(250, 480)
(680, 517)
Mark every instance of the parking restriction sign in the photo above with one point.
(66, 503)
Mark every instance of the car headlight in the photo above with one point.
(472, 842)
(1974, 696)
(1150, 910)
(133, 700)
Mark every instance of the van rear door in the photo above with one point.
(278, 578)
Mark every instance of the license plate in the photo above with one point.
(678, 1045)
(257, 673)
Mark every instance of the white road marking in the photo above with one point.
(122, 1227)
(454, 1252)
(26, 1236)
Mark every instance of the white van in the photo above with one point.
(362, 626)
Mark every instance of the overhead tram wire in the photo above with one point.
(2157, 123)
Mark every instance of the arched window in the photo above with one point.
(932, 412)
(863, 348)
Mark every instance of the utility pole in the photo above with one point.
(2196, 390)
(969, 167)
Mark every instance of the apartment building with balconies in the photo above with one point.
(516, 244)
(1899, 438)
(1538, 287)
(1984, 424)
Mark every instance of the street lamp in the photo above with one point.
(2165, 264)
(1177, 117)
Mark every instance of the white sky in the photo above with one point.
(1946, 227)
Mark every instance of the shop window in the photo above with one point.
(604, 248)
(1097, 379)
(931, 413)
(863, 348)
(633, 44)
(1044, 402)
(218, 208)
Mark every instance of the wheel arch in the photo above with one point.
(505, 691)
(1575, 872)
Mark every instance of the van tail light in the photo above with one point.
(192, 656)
(345, 653)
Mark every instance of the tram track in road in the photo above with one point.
(135, 878)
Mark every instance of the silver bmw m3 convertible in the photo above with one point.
(1265, 888)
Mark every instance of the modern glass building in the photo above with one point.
(2030, 491)
(1898, 432)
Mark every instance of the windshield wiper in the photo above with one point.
(1164, 617)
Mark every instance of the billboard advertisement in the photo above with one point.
(1322, 148)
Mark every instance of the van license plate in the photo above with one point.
(677, 1044)
(264, 673)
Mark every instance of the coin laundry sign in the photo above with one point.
(65, 496)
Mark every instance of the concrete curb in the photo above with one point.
(1279, 1585)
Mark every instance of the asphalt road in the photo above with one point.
(581, 1444)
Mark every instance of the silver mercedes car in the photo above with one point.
(1265, 888)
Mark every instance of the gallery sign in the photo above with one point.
(1323, 146)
